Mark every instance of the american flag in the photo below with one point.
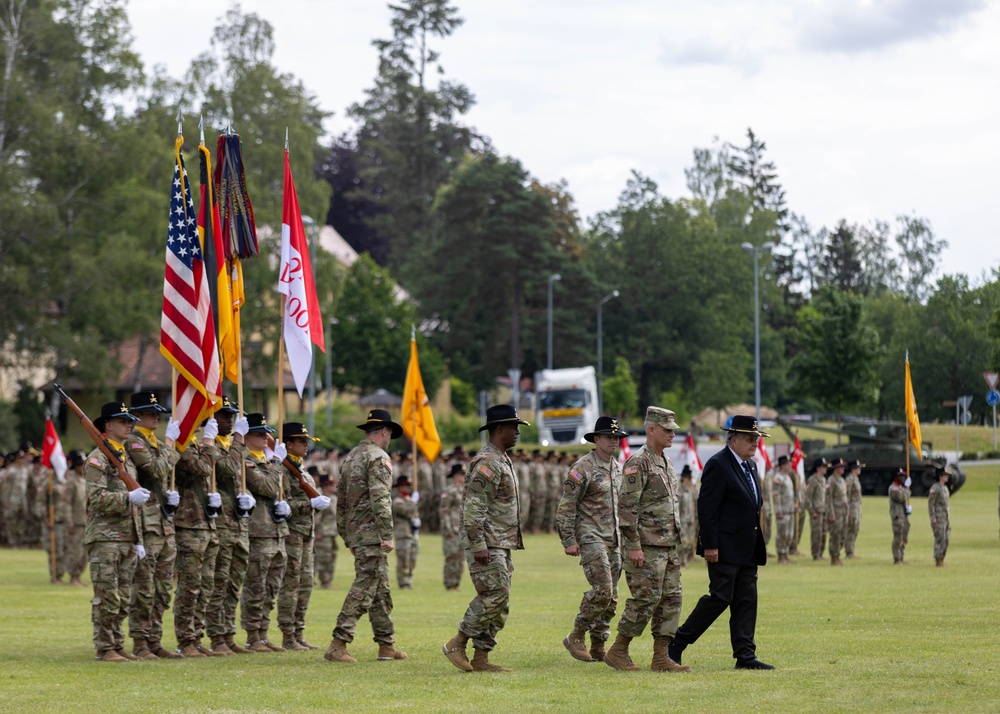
(187, 328)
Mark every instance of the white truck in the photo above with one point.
(567, 404)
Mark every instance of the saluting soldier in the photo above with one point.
(815, 503)
(114, 534)
(937, 506)
(76, 518)
(836, 509)
(154, 575)
(785, 508)
(899, 513)
(587, 521)
(451, 527)
(326, 532)
(405, 532)
(852, 483)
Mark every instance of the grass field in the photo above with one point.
(866, 637)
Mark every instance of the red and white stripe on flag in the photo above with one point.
(187, 327)
(762, 458)
(625, 452)
(303, 324)
(52, 451)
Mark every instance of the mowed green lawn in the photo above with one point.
(866, 637)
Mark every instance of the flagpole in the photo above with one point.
(281, 378)
(239, 403)
(173, 369)
(52, 526)
(413, 416)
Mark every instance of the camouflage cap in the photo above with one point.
(662, 417)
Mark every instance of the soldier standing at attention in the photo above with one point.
(114, 534)
(451, 527)
(687, 501)
(364, 516)
(899, 513)
(491, 528)
(405, 531)
(766, 481)
(650, 529)
(853, 486)
(76, 518)
(587, 521)
(836, 510)
(154, 575)
(785, 508)
(326, 531)
(937, 506)
(815, 503)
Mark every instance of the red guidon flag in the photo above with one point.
(52, 451)
(303, 324)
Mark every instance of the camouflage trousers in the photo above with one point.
(112, 566)
(942, 534)
(454, 560)
(539, 504)
(325, 559)
(487, 613)
(230, 570)
(151, 590)
(552, 506)
(369, 594)
(836, 530)
(900, 535)
(264, 573)
(60, 531)
(524, 504)
(656, 594)
(407, 550)
(17, 527)
(430, 517)
(602, 566)
(817, 535)
(784, 532)
(851, 533)
(76, 554)
(686, 549)
(765, 524)
(800, 522)
(296, 585)
(195, 566)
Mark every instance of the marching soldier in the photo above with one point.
(836, 510)
(815, 504)
(852, 483)
(899, 513)
(76, 518)
(587, 521)
(451, 527)
(786, 508)
(687, 502)
(326, 532)
(937, 506)
(406, 532)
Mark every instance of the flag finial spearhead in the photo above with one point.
(180, 121)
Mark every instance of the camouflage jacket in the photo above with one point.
(364, 504)
(301, 519)
(193, 476)
(853, 485)
(815, 500)
(937, 506)
(766, 483)
(76, 499)
(687, 504)
(492, 514)
(836, 498)
(153, 462)
(326, 520)
(266, 480)
(784, 495)
(451, 511)
(647, 507)
(588, 509)
(899, 496)
(403, 512)
(110, 515)
(230, 457)
(15, 488)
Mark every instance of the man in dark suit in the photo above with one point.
(731, 542)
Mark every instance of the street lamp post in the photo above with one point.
(756, 319)
(552, 279)
(600, 349)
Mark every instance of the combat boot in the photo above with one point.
(123, 653)
(235, 648)
(189, 650)
(219, 645)
(141, 649)
(337, 652)
(289, 642)
(255, 643)
(574, 642)
(618, 657)
(162, 652)
(481, 663)
(75, 580)
(939, 562)
(389, 652)
(596, 649)
(302, 641)
(454, 650)
(270, 645)
(209, 653)
(111, 656)
(661, 660)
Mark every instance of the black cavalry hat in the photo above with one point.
(502, 414)
(258, 423)
(455, 470)
(606, 426)
(819, 462)
(147, 402)
(782, 460)
(112, 410)
(402, 480)
(378, 418)
(746, 425)
(294, 429)
(229, 406)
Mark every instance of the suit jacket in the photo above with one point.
(729, 512)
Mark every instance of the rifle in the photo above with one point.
(130, 483)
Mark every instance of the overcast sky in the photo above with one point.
(870, 109)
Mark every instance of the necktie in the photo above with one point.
(750, 478)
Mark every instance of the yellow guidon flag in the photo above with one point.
(912, 419)
(417, 418)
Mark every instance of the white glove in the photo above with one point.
(215, 500)
(415, 522)
(280, 452)
(140, 551)
(320, 503)
(268, 453)
(909, 510)
(907, 482)
(242, 426)
(173, 430)
(139, 496)
(173, 498)
(415, 497)
(211, 429)
(246, 501)
(282, 509)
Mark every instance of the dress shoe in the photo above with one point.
(753, 664)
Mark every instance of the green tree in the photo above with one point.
(621, 395)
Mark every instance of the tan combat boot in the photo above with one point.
(235, 648)
(219, 645)
(123, 653)
(162, 652)
(111, 656)
(574, 642)
(617, 656)
(189, 650)
(454, 650)
(939, 562)
(270, 645)
(289, 642)
(255, 643)
(388, 652)
(302, 641)
(337, 652)
(75, 580)
(596, 649)
(661, 660)
(481, 663)
(140, 648)
(209, 653)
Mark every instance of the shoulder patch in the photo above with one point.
(137, 445)
(95, 461)
(388, 463)
(631, 470)
(576, 475)
(486, 471)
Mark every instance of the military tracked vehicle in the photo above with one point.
(880, 446)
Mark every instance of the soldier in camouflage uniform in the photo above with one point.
(853, 486)
(687, 502)
(325, 560)
(785, 508)
(766, 482)
(76, 518)
(297, 583)
(522, 469)
(15, 496)
(650, 529)
(405, 532)
(836, 509)
(815, 504)
(154, 575)
(899, 513)
(587, 521)
(52, 491)
(114, 534)
(451, 527)
(364, 515)
(536, 487)
(937, 506)
(554, 479)
(491, 528)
